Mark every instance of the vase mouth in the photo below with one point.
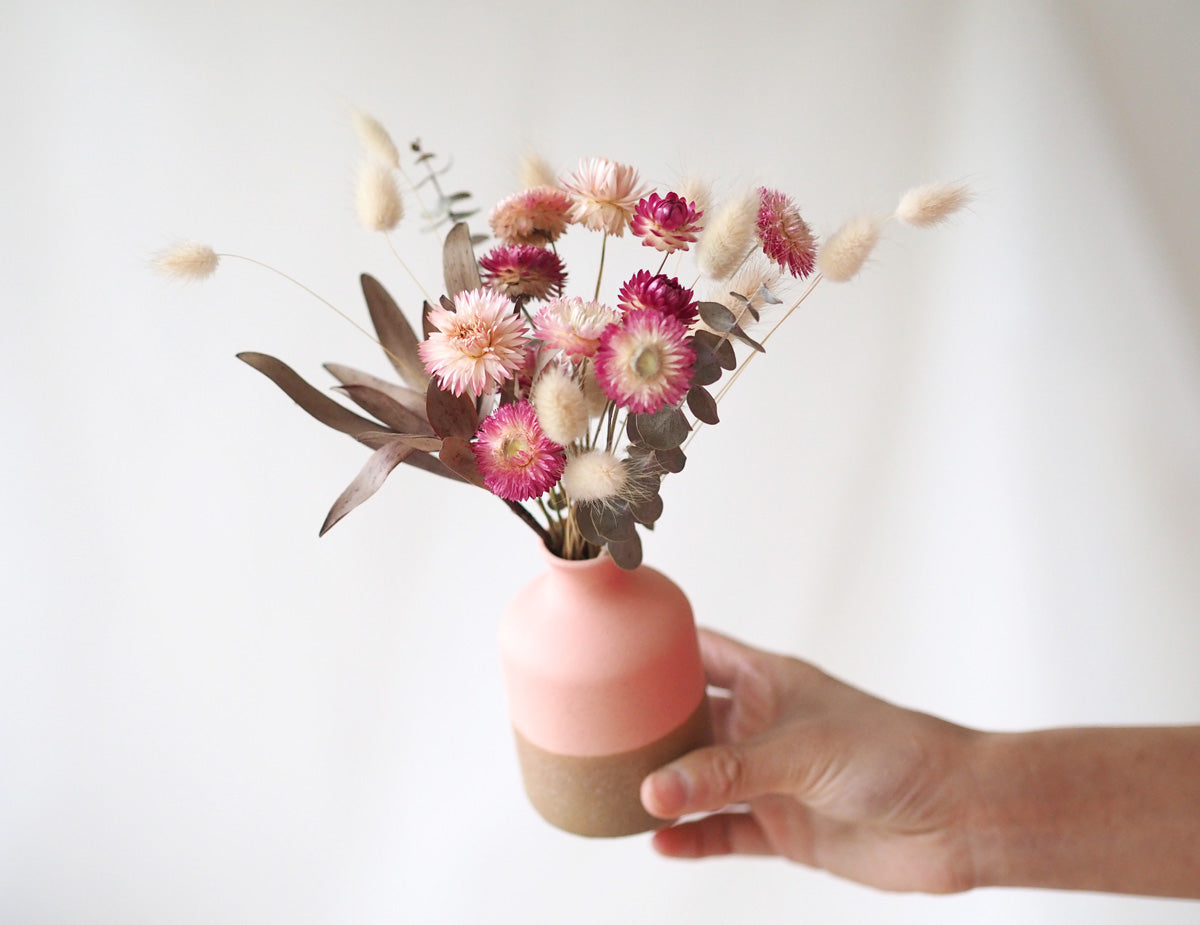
(554, 560)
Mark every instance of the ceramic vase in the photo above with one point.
(605, 684)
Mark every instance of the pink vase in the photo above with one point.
(605, 684)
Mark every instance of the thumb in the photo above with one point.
(709, 779)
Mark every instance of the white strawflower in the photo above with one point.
(932, 204)
(728, 237)
(187, 260)
(848, 249)
(560, 406)
(596, 475)
(375, 139)
(377, 198)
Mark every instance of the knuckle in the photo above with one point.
(727, 775)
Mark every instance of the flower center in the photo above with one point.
(646, 363)
(516, 450)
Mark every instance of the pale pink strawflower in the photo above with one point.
(523, 270)
(932, 204)
(605, 194)
(727, 239)
(645, 363)
(574, 325)
(477, 346)
(659, 292)
(596, 475)
(187, 260)
(848, 249)
(560, 406)
(516, 459)
(667, 223)
(534, 216)
(376, 197)
(785, 236)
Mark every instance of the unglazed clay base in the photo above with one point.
(597, 795)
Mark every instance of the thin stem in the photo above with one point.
(537, 528)
(412, 275)
(600, 272)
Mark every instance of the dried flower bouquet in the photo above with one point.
(571, 407)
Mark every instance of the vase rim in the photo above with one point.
(556, 561)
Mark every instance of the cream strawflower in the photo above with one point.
(477, 346)
(606, 194)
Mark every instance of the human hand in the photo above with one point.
(829, 776)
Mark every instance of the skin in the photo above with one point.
(811, 769)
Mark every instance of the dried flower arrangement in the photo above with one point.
(571, 409)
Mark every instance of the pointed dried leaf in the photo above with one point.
(768, 296)
(450, 416)
(372, 475)
(411, 399)
(457, 456)
(427, 326)
(627, 553)
(670, 460)
(395, 333)
(664, 429)
(647, 510)
(317, 403)
(391, 412)
(458, 261)
(613, 521)
(702, 404)
(746, 339)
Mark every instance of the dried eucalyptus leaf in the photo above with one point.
(372, 475)
(768, 296)
(459, 266)
(647, 510)
(447, 303)
(422, 442)
(717, 316)
(718, 346)
(670, 460)
(411, 399)
(457, 456)
(706, 373)
(382, 406)
(450, 416)
(703, 405)
(586, 523)
(613, 521)
(746, 339)
(316, 402)
(427, 326)
(627, 553)
(632, 433)
(664, 429)
(395, 333)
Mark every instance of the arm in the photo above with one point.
(834, 778)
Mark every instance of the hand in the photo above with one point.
(830, 777)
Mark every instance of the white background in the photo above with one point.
(968, 481)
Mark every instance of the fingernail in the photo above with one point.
(671, 791)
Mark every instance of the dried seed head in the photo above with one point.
(697, 191)
(596, 475)
(187, 260)
(375, 139)
(377, 198)
(560, 406)
(534, 171)
(932, 204)
(755, 273)
(728, 237)
(596, 400)
(848, 249)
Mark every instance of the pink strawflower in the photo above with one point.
(605, 194)
(523, 270)
(533, 216)
(517, 461)
(645, 363)
(667, 223)
(574, 325)
(785, 236)
(659, 293)
(478, 345)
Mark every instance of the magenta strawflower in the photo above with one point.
(785, 236)
(478, 345)
(645, 363)
(574, 325)
(523, 270)
(668, 223)
(646, 290)
(538, 216)
(605, 194)
(517, 461)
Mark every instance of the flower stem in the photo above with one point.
(600, 272)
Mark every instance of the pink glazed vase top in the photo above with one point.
(605, 684)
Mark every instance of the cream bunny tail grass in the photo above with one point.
(187, 260)
(845, 253)
(534, 171)
(727, 239)
(377, 198)
(375, 139)
(932, 204)
(560, 406)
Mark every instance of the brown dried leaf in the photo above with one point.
(372, 475)
(717, 316)
(647, 510)
(670, 460)
(457, 456)
(459, 266)
(317, 403)
(427, 326)
(702, 405)
(664, 429)
(382, 406)
(450, 416)
(632, 433)
(395, 333)
(613, 521)
(718, 346)
(627, 554)
(411, 399)
(586, 523)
